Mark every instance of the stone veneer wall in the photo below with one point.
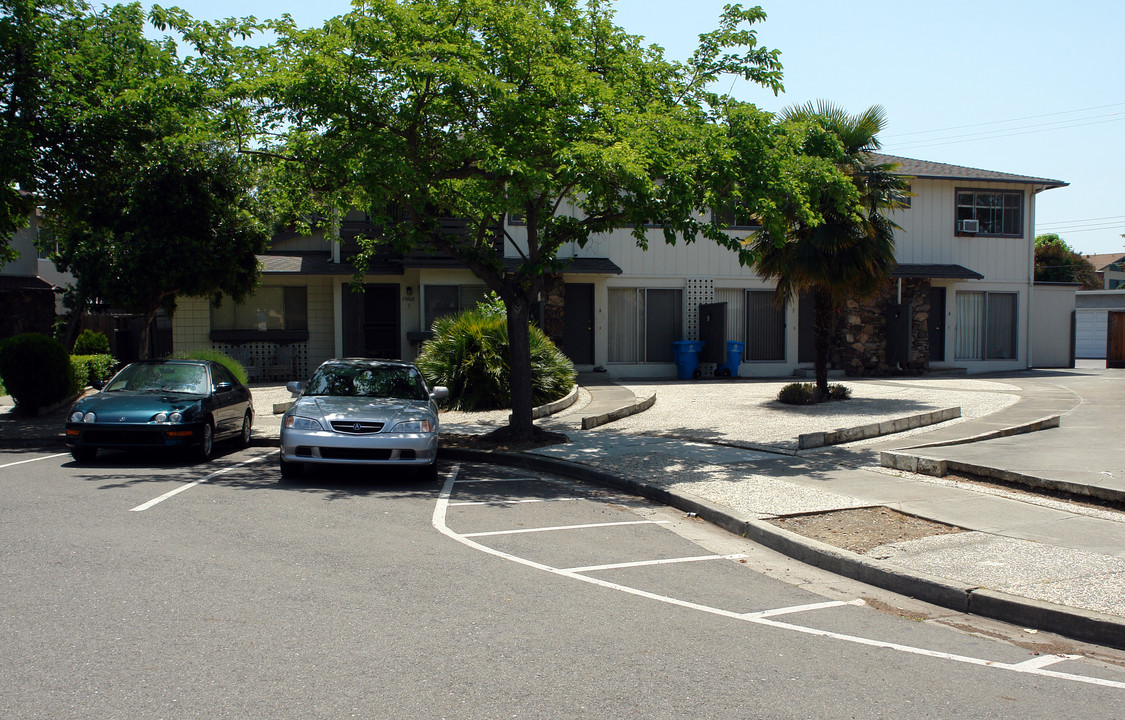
(862, 339)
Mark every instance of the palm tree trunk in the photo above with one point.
(822, 338)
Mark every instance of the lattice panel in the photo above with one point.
(698, 290)
(270, 361)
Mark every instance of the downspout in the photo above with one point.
(1031, 272)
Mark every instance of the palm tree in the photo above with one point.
(848, 251)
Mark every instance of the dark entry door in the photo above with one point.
(578, 323)
(806, 337)
(937, 324)
(371, 322)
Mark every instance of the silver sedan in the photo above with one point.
(362, 412)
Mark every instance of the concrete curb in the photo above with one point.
(887, 427)
(939, 467)
(589, 423)
(553, 407)
(1082, 625)
(1043, 423)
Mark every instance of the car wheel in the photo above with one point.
(83, 454)
(206, 449)
(290, 470)
(247, 429)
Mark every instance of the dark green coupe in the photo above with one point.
(182, 404)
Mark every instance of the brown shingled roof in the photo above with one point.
(1100, 262)
(942, 171)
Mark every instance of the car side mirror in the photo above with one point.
(295, 387)
(98, 384)
(224, 387)
(439, 393)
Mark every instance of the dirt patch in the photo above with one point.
(861, 529)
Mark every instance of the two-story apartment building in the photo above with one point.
(960, 296)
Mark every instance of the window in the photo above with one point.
(644, 323)
(441, 300)
(269, 308)
(734, 218)
(989, 213)
(765, 327)
(986, 326)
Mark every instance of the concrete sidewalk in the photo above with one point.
(725, 450)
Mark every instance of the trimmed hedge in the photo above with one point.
(223, 359)
(805, 393)
(91, 342)
(90, 368)
(36, 370)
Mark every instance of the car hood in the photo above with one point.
(385, 410)
(126, 406)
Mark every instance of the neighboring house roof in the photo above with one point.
(942, 171)
(320, 263)
(1102, 262)
(24, 282)
(935, 272)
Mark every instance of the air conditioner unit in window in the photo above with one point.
(970, 226)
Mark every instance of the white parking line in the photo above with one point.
(512, 502)
(439, 524)
(802, 608)
(177, 491)
(565, 527)
(45, 457)
(643, 563)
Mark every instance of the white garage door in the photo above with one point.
(1090, 333)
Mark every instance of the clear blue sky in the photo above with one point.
(1029, 87)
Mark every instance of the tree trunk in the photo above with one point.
(142, 346)
(822, 338)
(519, 364)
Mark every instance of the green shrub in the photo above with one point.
(36, 370)
(469, 355)
(798, 394)
(805, 393)
(223, 359)
(91, 342)
(89, 368)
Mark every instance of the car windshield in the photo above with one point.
(157, 377)
(404, 383)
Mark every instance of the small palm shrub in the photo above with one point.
(36, 370)
(469, 355)
(91, 342)
(222, 358)
(805, 393)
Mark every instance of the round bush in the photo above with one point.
(36, 370)
(469, 355)
(91, 342)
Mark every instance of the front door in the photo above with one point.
(578, 323)
(372, 322)
(937, 324)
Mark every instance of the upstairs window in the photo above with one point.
(989, 213)
(734, 218)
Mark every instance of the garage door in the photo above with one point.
(1090, 333)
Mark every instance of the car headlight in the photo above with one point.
(78, 416)
(174, 417)
(414, 426)
(302, 423)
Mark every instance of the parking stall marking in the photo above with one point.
(565, 527)
(172, 493)
(45, 457)
(1036, 666)
(643, 563)
(512, 502)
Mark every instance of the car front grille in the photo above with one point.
(356, 427)
(329, 453)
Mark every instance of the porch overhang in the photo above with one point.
(319, 263)
(913, 271)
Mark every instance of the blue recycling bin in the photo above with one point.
(734, 358)
(686, 355)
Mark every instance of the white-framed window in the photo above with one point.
(989, 213)
(987, 326)
(270, 307)
(643, 324)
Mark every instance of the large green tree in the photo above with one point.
(122, 143)
(414, 110)
(1056, 261)
(833, 239)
